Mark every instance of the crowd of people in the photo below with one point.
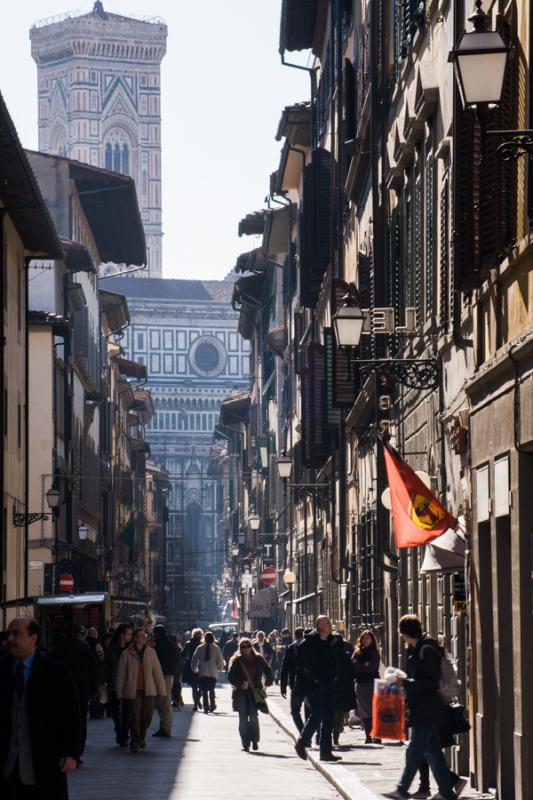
(45, 700)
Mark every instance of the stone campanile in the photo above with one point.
(99, 88)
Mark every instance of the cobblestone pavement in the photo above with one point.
(203, 760)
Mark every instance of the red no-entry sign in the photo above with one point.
(66, 583)
(268, 576)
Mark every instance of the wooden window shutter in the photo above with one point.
(298, 333)
(315, 226)
(466, 155)
(430, 239)
(418, 248)
(444, 254)
(315, 434)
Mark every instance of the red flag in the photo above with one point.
(417, 515)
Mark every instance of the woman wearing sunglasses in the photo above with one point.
(246, 673)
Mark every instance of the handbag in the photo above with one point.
(259, 694)
(388, 714)
(457, 718)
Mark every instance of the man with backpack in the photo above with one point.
(425, 709)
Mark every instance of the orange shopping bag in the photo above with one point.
(388, 712)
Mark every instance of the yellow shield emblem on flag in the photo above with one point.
(425, 512)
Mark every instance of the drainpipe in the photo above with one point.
(26, 420)
(2, 389)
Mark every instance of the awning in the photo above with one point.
(21, 195)
(289, 172)
(115, 311)
(235, 409)
(445, 554)
(297, 27)
(254, 261)
(276, 341)
(276, 238)
(77, 256)
(248, 290)
(132, 369)
(295, 125)
(253, 224)
(59, 325)
(304, 598)
(72, 599)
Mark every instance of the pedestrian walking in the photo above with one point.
(366, 659)
(39, 719)
(288, 676)
(74, 651)
(98, 702)
(207, 662)
(425, 710)
(230, 648)
(321, 663)
(263, 647)
(139, 681)
(121, 640)
(345, 699)
(177, 699)
(169, 659)
(246, 673)
(189, 676)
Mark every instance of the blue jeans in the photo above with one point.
(424, 743)
(322, 700)
(248, 721)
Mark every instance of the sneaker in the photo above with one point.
(330, 757)
(459, 786)
(300, 750)
(422, 794)
(397, 794)
(255, 746)
(246, 748)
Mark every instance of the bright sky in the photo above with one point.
(223, 89)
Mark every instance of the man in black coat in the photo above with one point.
(81, 661)
(424, 709)
(169, 658)
(39, 719)
(288, 675)
(122, 638)
(321, 665)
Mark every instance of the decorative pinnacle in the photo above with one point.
(479, 18)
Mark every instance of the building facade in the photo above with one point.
(99, 96)
(185, 332)
(402, 199)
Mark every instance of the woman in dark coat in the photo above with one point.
(366, 660)
(246, 671)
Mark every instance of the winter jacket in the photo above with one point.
(211, 667)
(168, 655)
(230, 648)
(268, 650)
(188, 652)
(424, 704)
(82, 663)
(366, 665)
(288, 667)
(237, 676)
(317, 661)
(126, 683)
(111, 659)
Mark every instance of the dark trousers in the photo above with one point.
(322, 700)
(423, 771)
(142, 709)
(84, 702)
(296, 710)
(13, 789)
(121, 712)
(248, 720)
(194, 681)
(425, 743)
(207, 688)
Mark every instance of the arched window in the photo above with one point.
(125, 159)
(116, 158)
(108, 157)
(117, 151)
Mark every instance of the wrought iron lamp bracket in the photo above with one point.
(20, 520)
(515, 144)
(414, 373)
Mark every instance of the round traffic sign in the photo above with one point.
(66, 583)
(268, 576)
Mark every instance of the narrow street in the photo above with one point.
(202, 760)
